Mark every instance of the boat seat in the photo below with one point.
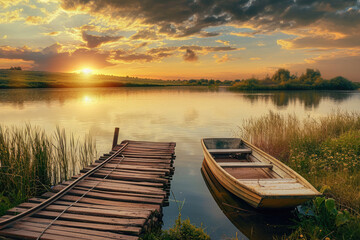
(245, 164)
(271, 180)
(229, 150)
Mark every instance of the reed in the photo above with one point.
(32, 161)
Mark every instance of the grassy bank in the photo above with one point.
(283, 80)
(32, 161)
(326, 151)
(38, 79)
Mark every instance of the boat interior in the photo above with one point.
(237, 159)
(254, 169)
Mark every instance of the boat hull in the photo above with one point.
(247, 194)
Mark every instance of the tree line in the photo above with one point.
(284, 80)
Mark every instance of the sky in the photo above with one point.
(182, 39)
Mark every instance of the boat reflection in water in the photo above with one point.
(253, 223)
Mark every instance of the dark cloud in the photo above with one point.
(52, 59)
(93, 41)
(148, 34)
(136, 57)
(190, 56)
(208, 34)
(188, 17)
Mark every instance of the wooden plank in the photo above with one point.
(132, 167)
(228, 150)
(92, 211)
(132, 178)
(95, 226)
(245, 164)
(113, 197)
(86, 218)
(26, 234)
(121, 171)
(131, 205)
(76, 233)
(95, 205)
(146, 184)
(115, 187)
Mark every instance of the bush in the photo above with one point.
(182, 230)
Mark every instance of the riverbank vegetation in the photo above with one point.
(32, 161)
(283, 80)
(38, 79)
(182, 230)
(326, 151)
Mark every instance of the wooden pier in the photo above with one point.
(118, 197)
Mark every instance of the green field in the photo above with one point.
(37, 79)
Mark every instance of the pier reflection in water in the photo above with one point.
(253, 223)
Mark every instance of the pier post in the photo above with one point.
(116, 136)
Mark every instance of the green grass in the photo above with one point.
(324, 150)
(38, 79)
(182, 230)
(32, 161)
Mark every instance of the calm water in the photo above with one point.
(183, 115)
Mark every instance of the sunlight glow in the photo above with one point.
(87, 71)
(87, 100)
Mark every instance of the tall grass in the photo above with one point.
(324, 150)
(32, 161)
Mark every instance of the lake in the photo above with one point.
(180, 114)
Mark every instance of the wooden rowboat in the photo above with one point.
(255, 224)
(255, 176)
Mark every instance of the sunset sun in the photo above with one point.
(87, 71)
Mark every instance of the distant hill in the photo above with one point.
(38, 79)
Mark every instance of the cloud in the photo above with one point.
(11, 16)
(208, 34)
(190, 56)
(53, 59)
(35, 20)
(183, 18)
(255, 59)
(321, 42)
(243, 34)
(93, 41)
(7, 3)
(223, 59)
(55, 33)
(148, 34)
(226, 43)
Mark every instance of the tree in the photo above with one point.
(341, 83)
(281, 75)
(310, 77)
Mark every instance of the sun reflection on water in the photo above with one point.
(87, 99)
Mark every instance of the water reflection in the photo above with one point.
(310, 99)
(254, 224)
